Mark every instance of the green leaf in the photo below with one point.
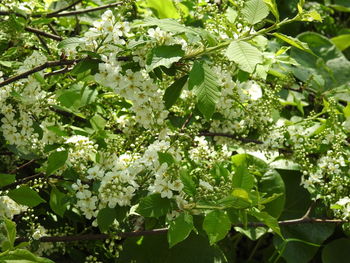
(98, 123)
(166, 158)
(301, 242)
(310, 16)
(10, 233)
(242, 178)
(203, 81)
(271, 183)
(7, 64)
(155, 249)
(231, 15)
(154, 206)
(69, 98)
(341, 8)
(58, 201)
(216, 224)
(294, 42)
(72, 42)
(189, 184)
(269, 220)
(22, 256)
(6, 179)
(105, 218)
(342, 41)
(337, 251)
(163, 9)
(169, 25)
(244, 55)
(173, 92)
(85, 65)
(56, 160)
(164, 56)
(273, 8)
(236, 202)
(254, 11)
(180, 229)
(24, 195)
(300, 6)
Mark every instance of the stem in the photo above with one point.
(232, 136)
(227, 43)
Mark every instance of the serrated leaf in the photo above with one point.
(203, 82)
(85, 65)
(105, 218)
(189, 184)
(294, 42)
(180, 229)
(269, 220)
(165, 158)
(6, 179)
(164, 56)
(58, 201)
(231, 15)
(154, 206)
(173, 92)
(244, 55)
(56, 160)
(69, 43)
(24, 195)
(273, 8)
(10, 232)
(216, 224)
(97, 122)
(254, 11)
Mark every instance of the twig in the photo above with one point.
(64, 8)
(52, 29)
(22, 166)
(232, 136)
(90, 237)
(42, 33)
(59, 71)
(187, 121)
(48, 64)
(21, 181)
(43, 42)
(7, 153)
(78, 12)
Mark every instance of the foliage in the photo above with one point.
(170, 131)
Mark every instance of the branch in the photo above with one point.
(42, 33)
(64, 8)
(232, 136)
(78, 12)
(48, 64)
(90, 237)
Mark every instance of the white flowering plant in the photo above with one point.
(169, 131)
